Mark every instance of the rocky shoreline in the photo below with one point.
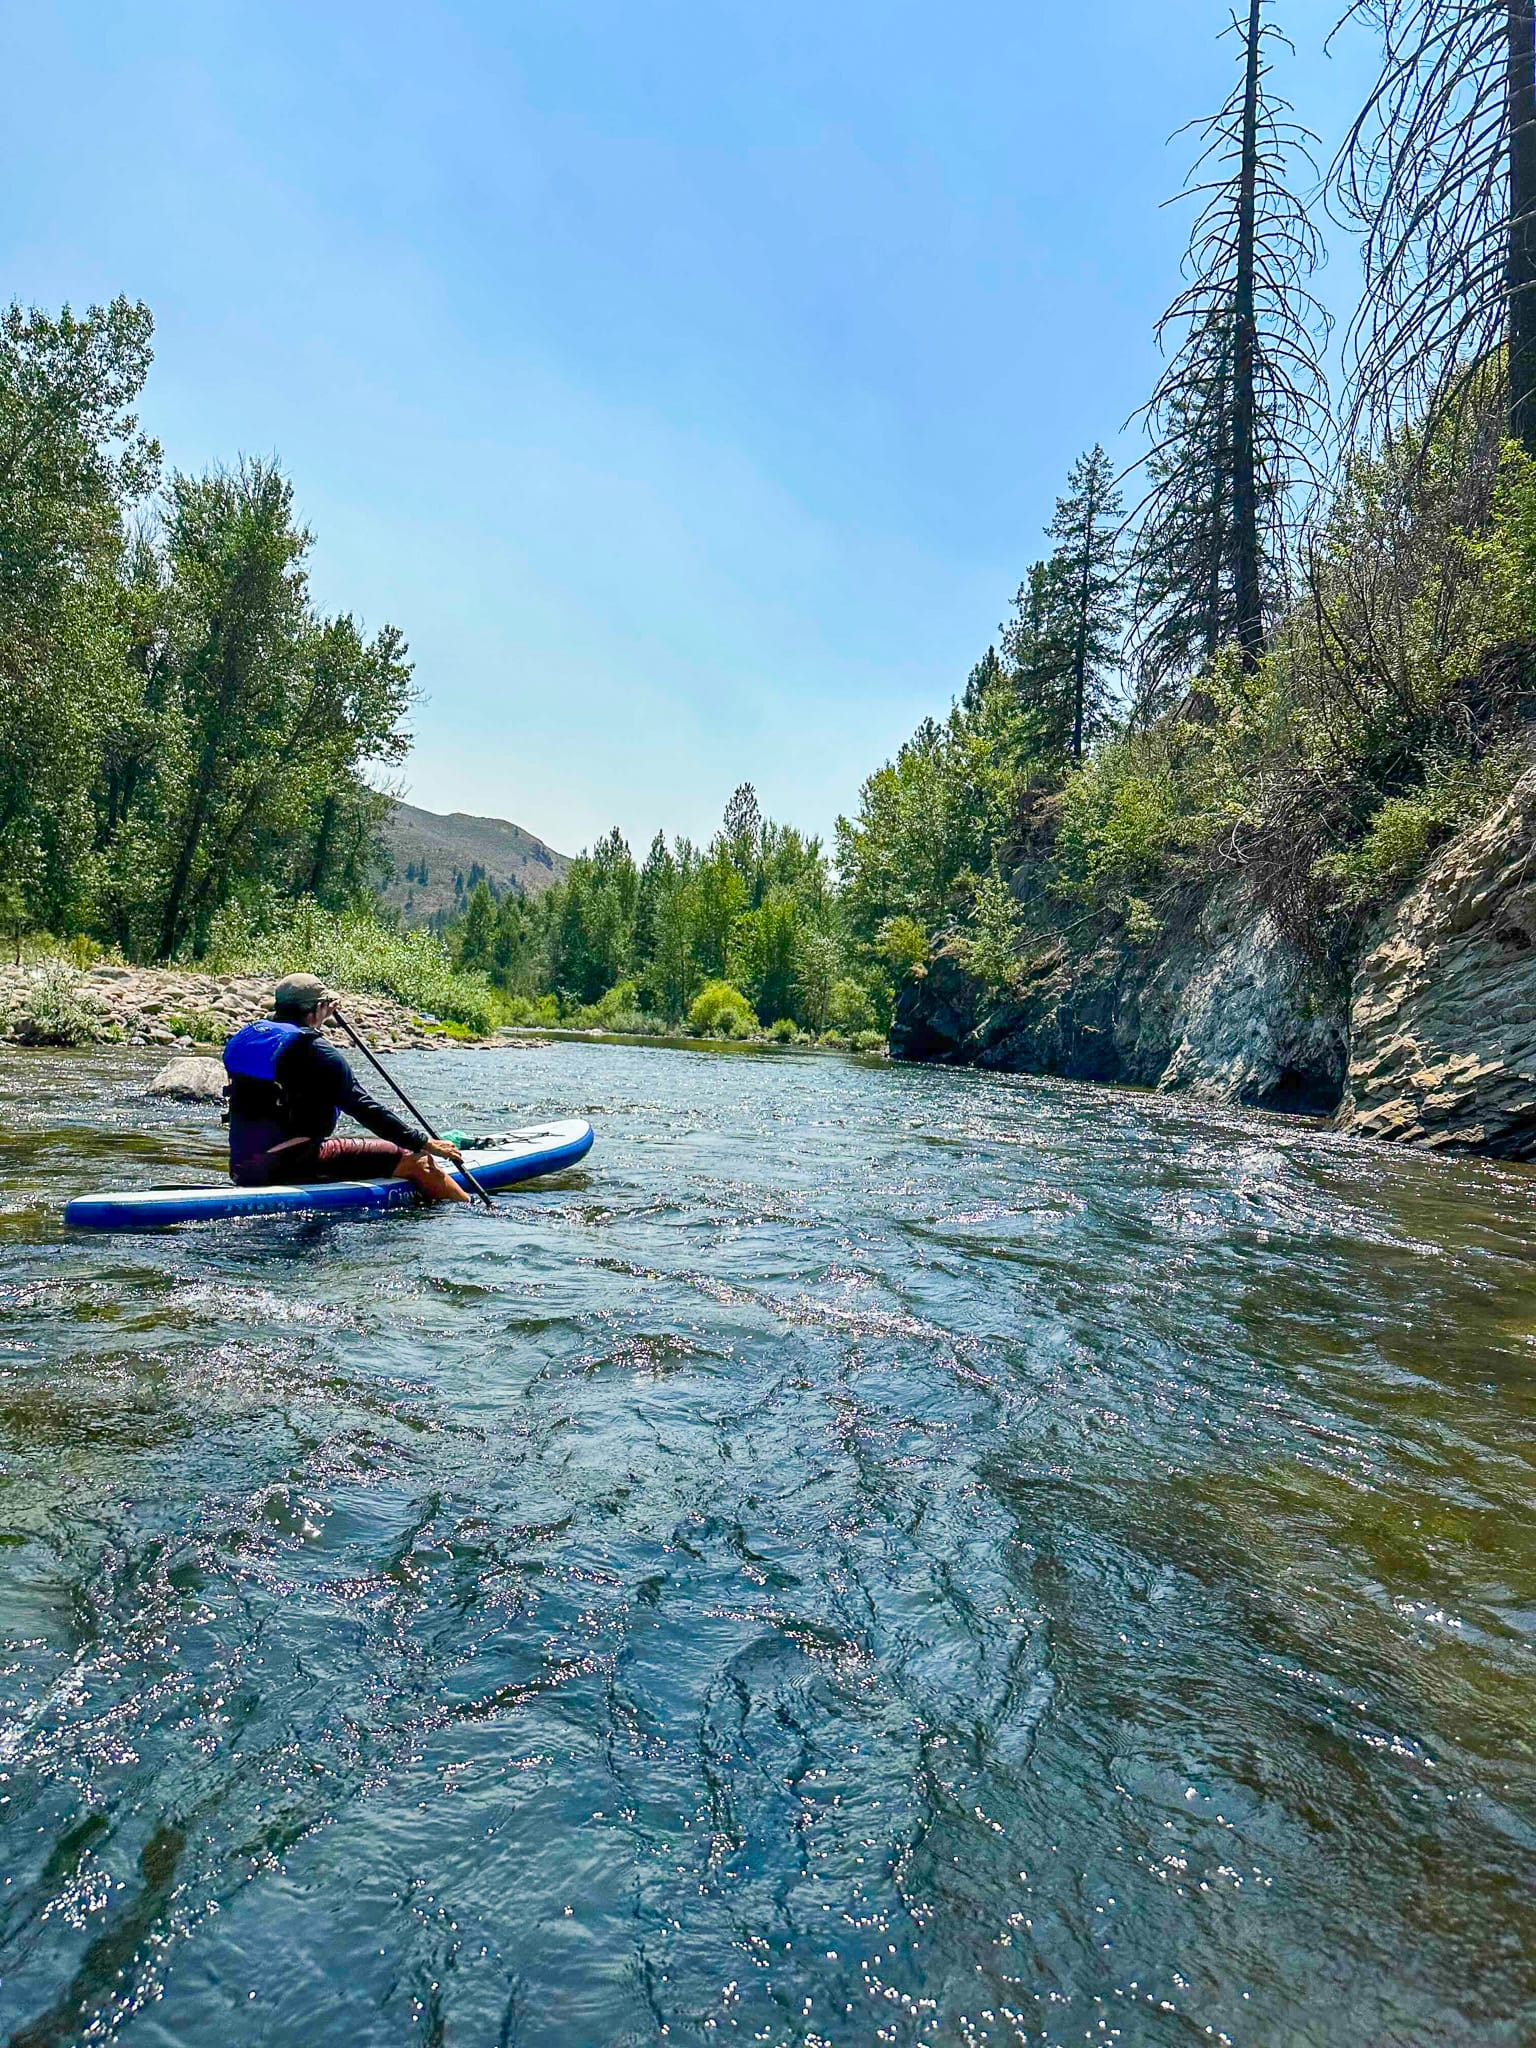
(181, 1011)
(1426, 1037)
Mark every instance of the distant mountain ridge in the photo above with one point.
(436, 859)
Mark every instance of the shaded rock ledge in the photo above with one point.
(1432, 1043)
(1221, 1005)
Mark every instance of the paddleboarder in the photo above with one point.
(287, 1089)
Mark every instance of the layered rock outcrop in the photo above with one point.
(1433, 1042)
(1443, 1012)
(1221, 1004)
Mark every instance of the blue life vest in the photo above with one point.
(253, 1052)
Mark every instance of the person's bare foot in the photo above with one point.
(432, 1177)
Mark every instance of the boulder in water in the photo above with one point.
(190, 1079)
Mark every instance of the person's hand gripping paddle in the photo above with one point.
(379, 1067)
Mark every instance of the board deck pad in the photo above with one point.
(499, 1162)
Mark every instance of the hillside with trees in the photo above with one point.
(434, 861)
(742, 935)
(1252, 683)
(1303, 660)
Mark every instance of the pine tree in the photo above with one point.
(657, 878)
(1085, 571)
(742, 833)
(987, 675)
(1039, 644)
(1239, 414)
(476, 931)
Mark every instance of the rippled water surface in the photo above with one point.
(876, 1555)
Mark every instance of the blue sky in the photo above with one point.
(690, 382)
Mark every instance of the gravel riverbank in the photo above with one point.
(176, 1007)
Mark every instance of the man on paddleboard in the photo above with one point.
(288, 1087)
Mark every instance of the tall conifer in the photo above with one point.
(1238, 418)
(1084, 580)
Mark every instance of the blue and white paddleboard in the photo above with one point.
(496, 1163)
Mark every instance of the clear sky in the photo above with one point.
(690, 382)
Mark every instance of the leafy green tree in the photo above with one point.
(768, 952)
(72, 463)
(672, 975)
(269, 710)
(593, 934)
(819, 960)
(720, 900)
(851, 1010)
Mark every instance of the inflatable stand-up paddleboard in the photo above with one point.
(495, 1162)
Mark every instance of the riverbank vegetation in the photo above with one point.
(742, 936)
(184, 732)
(1289, 649)
(1304, 658)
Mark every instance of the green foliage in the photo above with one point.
(592, 933)
(53, 1009)
(767, 950)
(72, 464)
(1143, 927)
(1119, 822)
(902, 944)
(940, 811)
(354, 950)
(180, 731)
(1085, 607)
(721, 1011)
(991, 945)
(1403, 834)
(851, 1010)
(475, 935)
(626, 949)
(543, 1010)
(205, 1027)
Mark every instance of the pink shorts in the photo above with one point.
(331, 1159)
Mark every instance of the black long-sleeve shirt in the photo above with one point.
(313, 1085)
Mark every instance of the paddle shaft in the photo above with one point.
(375, 1062)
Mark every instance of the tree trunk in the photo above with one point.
(322, 853)
(1080, 651)
(1247, 590)
(1215, 532)
(1520, 252)
(170, 923)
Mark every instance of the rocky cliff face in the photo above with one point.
(1221, 1004)
(1434, 1043)
(1443, 1014)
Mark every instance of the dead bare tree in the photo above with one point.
(1439, 172)
(1238, 419)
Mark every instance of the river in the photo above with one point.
(876, 1555)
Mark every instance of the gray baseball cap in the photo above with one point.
(299, 992)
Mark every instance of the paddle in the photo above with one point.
(374, 1061)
